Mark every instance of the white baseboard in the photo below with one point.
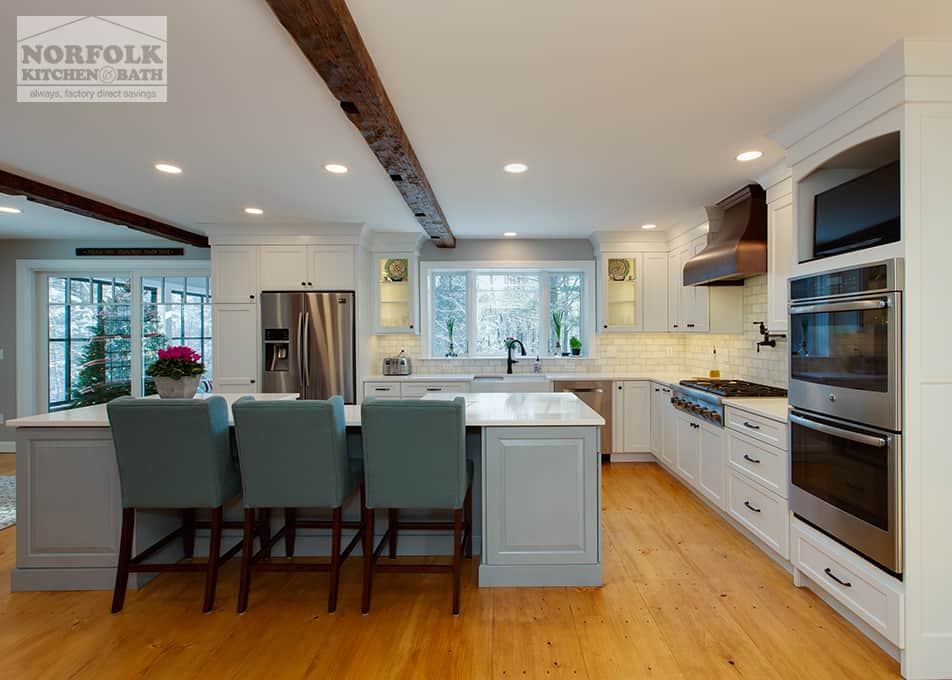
(8, 447)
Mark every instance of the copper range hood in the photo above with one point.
(737, 242)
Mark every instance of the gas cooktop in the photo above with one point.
(733, 388)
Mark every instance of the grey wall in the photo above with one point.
(44, 249)
(510, 249)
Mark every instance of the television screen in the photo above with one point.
(861, 213)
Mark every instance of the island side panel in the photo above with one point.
(542, 507)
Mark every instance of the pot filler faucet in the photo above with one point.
(510, 342)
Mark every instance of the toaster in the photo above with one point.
(398, 365)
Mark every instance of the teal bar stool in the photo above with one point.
(173, 454)
(415, 457)
(293, 454)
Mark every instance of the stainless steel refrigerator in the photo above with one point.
(308, 344)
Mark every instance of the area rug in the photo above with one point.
(8, 502)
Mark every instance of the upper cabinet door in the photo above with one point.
(655, 292)
(622, 279)
(697, 319)
(395, 291)
(676, 261)
(282, 267)
(779, 255)
(331, 268)
(234, 274)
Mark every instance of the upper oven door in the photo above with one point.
(845, 359)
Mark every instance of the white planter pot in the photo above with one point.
(181, 388)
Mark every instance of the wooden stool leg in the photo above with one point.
(214, 552)
(264, 530)
(290, 518)
(188, 532)
(335, 562)
(468, 520)
(247, 550)
(368, 549)
(393, 517)
(125, 557)
(457, 556)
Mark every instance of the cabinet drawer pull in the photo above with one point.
(382, 389)
(434, 389)
(749, 424)
(829, 572)
(751, 507)
(690, 325)
(755, 461)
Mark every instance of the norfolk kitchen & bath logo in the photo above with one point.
(92, 59)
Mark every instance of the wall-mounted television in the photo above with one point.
(861, 213)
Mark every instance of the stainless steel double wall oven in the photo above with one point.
(845, 396)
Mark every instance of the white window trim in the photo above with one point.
(31, 344)
(587, 267)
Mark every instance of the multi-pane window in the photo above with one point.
(176, 310)
(99, 335)
(89, 326)
(490, 305)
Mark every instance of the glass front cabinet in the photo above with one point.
(622, 294)
(395, 291)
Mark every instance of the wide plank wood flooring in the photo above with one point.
(685, 597)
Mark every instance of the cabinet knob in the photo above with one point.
(251, 297)
(309, 283)
(411, 325)
(252, 381)
(605, 325)
(620, 387)
(303, 283)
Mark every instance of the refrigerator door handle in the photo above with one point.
(300, 358)
(307, 352)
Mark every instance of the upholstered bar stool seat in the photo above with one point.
(293, 454)
(173, 454)
(415, 457)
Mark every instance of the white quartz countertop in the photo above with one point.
(666, 378)
(503, 409)
(774, 408)
(95, 416)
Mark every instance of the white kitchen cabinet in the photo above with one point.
(701, 309)
(395, 290)
(676, 260)
(331, 268)
(712, 467)
(655, 292)
(689, 449)
(779, 253)
(234, 274)
(621, 282)
(657, 419)
(669, 438)
(302, 267)
(637, 416)
(235, 348)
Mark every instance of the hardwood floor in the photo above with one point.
(8, 464)
(685, 597)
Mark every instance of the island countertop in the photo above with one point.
(482, 410)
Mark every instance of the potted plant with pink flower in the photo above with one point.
(177, 373)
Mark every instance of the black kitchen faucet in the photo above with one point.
(509, 360)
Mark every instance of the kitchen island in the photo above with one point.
(537, 496)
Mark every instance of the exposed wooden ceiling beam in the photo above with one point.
(326, 33)
(54, 197)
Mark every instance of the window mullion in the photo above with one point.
(544, 329)
(470, 314)
(136, 369)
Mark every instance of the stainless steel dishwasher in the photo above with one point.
(598, 395)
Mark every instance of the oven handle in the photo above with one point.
(853, 306)
(868, 440)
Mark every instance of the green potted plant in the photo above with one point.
(576, 346)
(177, 372)
(450, 325)
(558, 316)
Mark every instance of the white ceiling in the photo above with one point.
(626, 112)
(39, 221)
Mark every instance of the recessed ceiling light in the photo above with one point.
(168, 168)
(7, 209)
(515, 168)
(751, 155)
(254, 211)
(509, 234)
(336, 168)
(649, 226)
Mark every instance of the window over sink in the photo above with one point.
(485, 303)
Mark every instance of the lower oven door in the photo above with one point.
(847, 481)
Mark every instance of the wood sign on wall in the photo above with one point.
(130, 252)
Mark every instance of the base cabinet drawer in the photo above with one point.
(414, 390)
(870, 593)
(762, 429)
(764, 464)
(762, 512)
(382, 390)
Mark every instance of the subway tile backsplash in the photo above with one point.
(626, 353)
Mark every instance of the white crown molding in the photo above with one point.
(775, 175)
